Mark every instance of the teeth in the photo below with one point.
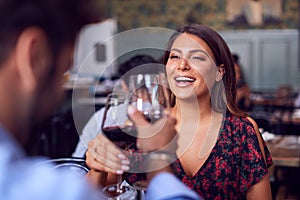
(184, 78)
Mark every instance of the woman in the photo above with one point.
(221, 154)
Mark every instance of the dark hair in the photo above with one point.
(242, 82)
(235, 57)
(223, 56)
(135, 62)
(60, 20)
(138, 64)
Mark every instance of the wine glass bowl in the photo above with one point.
(148, 94)
(116, 125)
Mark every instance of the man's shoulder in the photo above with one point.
(32, 179)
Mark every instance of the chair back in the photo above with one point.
(77, 165)
(263, 120)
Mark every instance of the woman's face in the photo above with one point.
(191, 69)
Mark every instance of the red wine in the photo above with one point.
(120, 135)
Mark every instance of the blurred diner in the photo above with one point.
(243, 90)
(135, 65)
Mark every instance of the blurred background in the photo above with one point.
(263, 34)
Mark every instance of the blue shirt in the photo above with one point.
(25, 178)
(166, 186)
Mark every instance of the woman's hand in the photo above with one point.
(160, 136)
(104, 156)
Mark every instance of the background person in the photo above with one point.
(219, 146)
(125, 69)
(243, 90)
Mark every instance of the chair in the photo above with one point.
(75, 164)
(263, 120)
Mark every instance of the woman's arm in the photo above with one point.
(89, 132)
(262, 189)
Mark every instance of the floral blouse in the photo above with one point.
(233, 166)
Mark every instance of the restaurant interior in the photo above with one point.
(263, 34)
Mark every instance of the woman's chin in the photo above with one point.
(185, 96)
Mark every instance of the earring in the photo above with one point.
(219, 78)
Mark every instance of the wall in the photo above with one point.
(220, 14)
(269, 57)
(269, 51)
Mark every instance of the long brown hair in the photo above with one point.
(223, 56)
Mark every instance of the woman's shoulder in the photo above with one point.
(237, 121)
(238, 126)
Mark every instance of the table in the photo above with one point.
(98, 102)
(285, 150)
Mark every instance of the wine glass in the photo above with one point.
(116, 126)
(149, 94)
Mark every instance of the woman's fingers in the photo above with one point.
(137, 117)
(106, 166)
(103, 155)
(101, 146)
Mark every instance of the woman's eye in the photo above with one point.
(197, 58)
(174, 57)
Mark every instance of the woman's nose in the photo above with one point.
(183, 65)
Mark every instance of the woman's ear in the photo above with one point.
(220, 72)
(33, 59)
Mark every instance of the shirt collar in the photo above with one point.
(9, 146)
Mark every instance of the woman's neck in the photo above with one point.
(197, 125)
(192, 109)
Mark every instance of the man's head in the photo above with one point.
(60, 20)
(36, 38)
(140, 63)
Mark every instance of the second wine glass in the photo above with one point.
(149, 94)
(116, 126)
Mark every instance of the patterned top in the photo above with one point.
(234, 165)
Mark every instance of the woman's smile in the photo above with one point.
(184, 81)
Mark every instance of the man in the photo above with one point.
(36, 38)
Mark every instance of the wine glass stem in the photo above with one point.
(119, 184)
